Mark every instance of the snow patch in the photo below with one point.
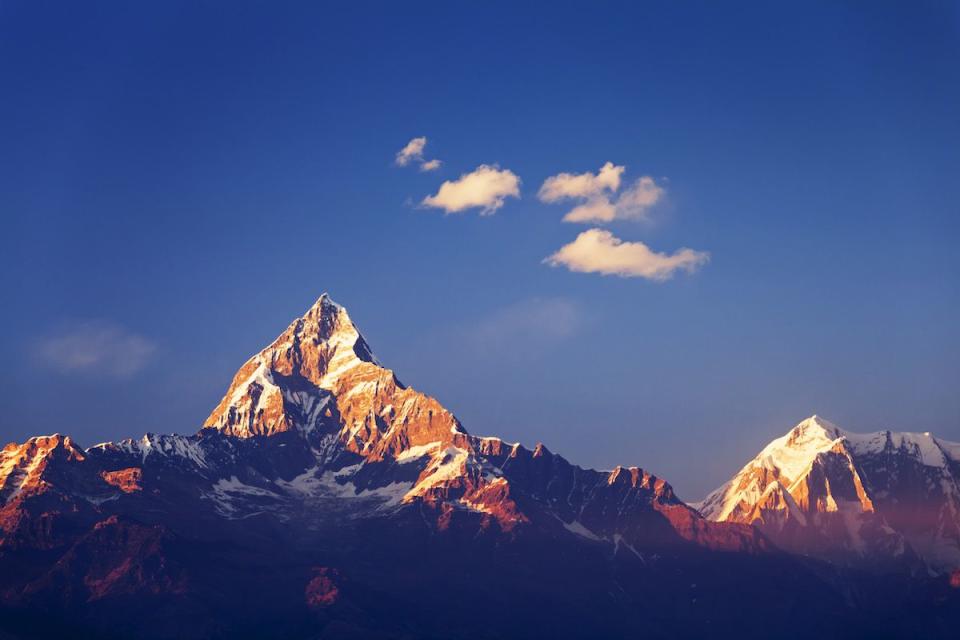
(576, 527)
(415, 453)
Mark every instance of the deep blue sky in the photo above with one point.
(178, 181)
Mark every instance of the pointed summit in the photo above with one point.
(320, 376)
(785, 460)
(325, 305)
(818, 422)
(307, 359)
(325, 299)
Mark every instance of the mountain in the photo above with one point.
(377, 437)
(882, 498)
(324, 498)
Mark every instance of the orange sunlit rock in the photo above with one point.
(322, 590)
(127, 480)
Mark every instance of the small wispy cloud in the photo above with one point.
(525, 327)
(635, 201)
(485, 188)
(598, 195)
(95, 347)
(599, 251)
(412, 152)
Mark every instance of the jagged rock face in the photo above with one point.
(627, 506)
(22, 466)
(914, 482)
(851, 497)
(37, 480)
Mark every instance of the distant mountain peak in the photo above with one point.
(22, 465)
(822, 490)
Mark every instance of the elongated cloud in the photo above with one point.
(593, 210)
(486, 188)
(535, 319)
(597, 191)
(599, 251)
(522, 330)
(413, 152)
(96, 347)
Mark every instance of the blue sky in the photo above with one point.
(179, 180)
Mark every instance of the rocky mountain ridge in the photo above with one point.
(352, 431)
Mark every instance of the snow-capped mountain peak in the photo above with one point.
(783, 461)
(320, 376)
(823, 490)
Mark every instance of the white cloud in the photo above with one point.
(638, 198)
(583, 185)
(96, 347)
(599, 251)
(486, 187)
(413, 152)
(597, 193)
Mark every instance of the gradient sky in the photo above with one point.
(179, 181)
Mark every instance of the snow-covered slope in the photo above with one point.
(846, 496)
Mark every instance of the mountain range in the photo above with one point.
(324, 498)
